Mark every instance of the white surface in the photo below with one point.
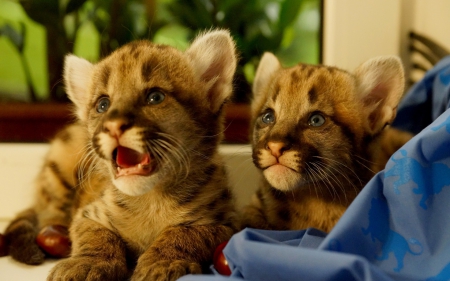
(432, 18)
(20, 163)
(12, 270)
(357, 30)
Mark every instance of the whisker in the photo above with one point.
(158, 152)
(325, 179)
(87, 167)
(343, 175)
(176, 156)
(312, 175)
(341, 165)
(194, 151)
(332, 176)
(364, 165)
(317, 177)
(177, 149)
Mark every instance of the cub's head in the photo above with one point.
(153, 113)
(314, 125)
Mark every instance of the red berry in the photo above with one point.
(3, 246)
(54, 240)
(219, 260)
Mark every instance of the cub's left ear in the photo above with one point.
(213, 58)
(77, 75)
(380, 85)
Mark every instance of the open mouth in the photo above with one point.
(131, 162)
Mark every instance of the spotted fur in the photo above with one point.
(138, 178)
(318, 136)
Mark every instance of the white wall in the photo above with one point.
(356, 30)
(428, 17)
(432, 17)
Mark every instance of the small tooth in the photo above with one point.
(118, 169)
(140, 166)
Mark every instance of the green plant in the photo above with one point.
(115, 20)
(256, 25)
(17, 38)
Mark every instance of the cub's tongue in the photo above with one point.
(127, 157)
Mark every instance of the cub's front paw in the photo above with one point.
(89, 269)
(165, 270)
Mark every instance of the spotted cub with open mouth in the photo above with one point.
(138, 179)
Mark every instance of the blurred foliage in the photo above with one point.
(256, 25)
(17, 37)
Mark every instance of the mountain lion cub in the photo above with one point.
(138, 178)
(318, 136)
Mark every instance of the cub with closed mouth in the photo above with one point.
(319, 135)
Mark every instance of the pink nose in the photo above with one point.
(116, 127)
(277, 148)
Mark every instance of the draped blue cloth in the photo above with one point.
(426, 100)
(398, 227)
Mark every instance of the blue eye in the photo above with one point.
(316, 120)
(155, 97)
(103, 104)
(268, 118)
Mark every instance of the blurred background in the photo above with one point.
(35, 35)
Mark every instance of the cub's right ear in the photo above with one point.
(380, 83)
(268, 65)
(213, 57)
(77, 74)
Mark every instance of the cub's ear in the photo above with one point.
(268, 65)
(77, 74)
(213, 57)
(380, 86)
(266, 68)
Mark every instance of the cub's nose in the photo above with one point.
(277, 148)
(116, 128)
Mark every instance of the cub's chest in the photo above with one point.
(303, 211)
(140, 220)
(312, 212)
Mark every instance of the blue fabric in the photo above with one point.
(426, 100)
(398, 228)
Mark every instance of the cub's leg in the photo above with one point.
(21, 238)
(253, 216)
(53, 207)
(97, 254)
(179, 251)
(54, 198)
